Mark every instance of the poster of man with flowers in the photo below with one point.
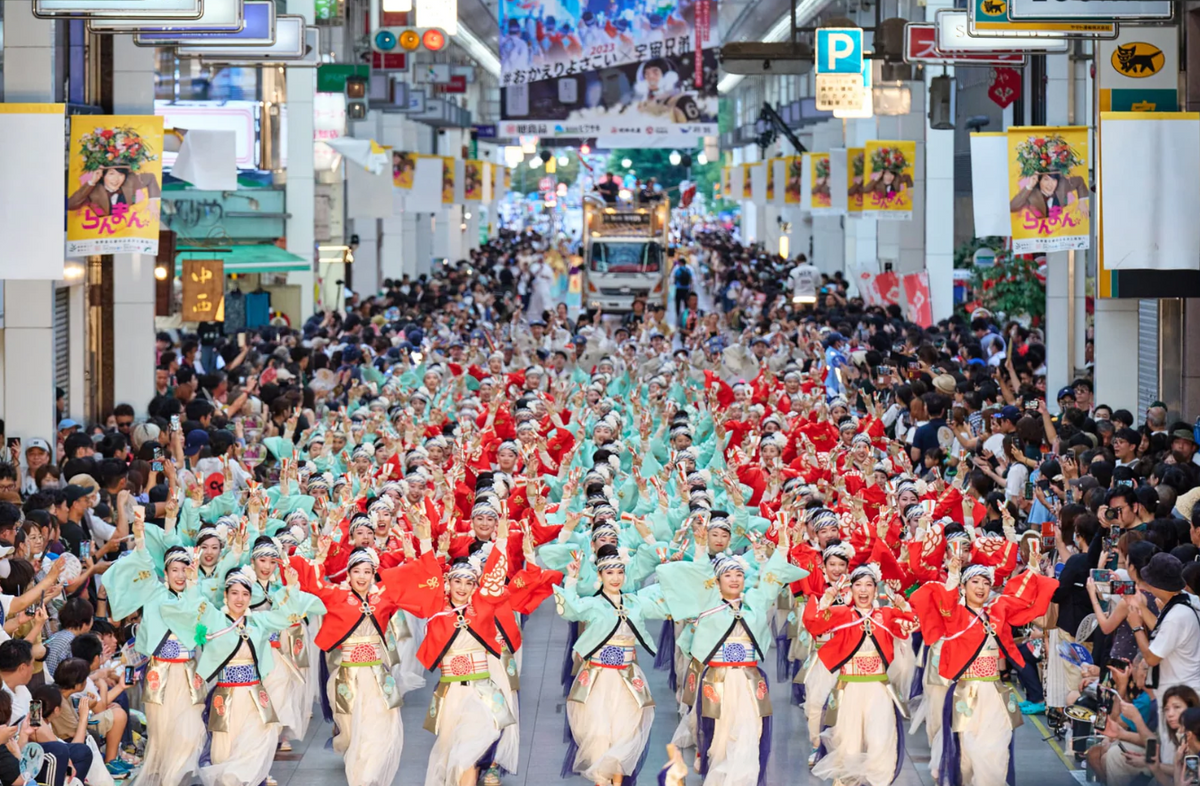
(855, 164)
(1048, 190)
(888, 179)
(114, 176)
(795, 173)
(821, 198)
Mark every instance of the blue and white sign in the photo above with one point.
(839, 50)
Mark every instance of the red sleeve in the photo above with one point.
(309, 580)
(820, 622)
(416, 587)
(530, 586)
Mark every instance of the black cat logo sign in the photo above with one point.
(1137, 60)
(995, 7)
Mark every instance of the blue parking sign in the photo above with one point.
(839, 50)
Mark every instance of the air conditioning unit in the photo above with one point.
(753, 58)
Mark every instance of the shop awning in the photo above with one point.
(260, 258)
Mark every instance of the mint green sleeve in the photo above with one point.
(643, 562)
(279, 447)
(653, 603)
(557, 556)
(775, 574)
(224, 505)
(157, 541)
(690, 588)
(567, 601)
(188, 524)
(131, 583)
(646, 504)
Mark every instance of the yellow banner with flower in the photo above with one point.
(747, 181)
(888, 168)
(473, 180)
(855, 166)
(793, 166)
(1049, 205)
(819, 177)
(114, 179)
(404, 167)
(447, 180)
(726, 182)
(771, 181)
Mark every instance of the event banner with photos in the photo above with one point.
(114, 184)
(633, 73)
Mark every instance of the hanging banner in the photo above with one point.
(726, 183)
(866, 280)
(819, 178)
(856, 166)
(747, 181)
(795, 168)
(473, 181)
(447, 180)
(404, 166)
(806, 182)
(31, 228)
(838, 179)
(737, 182)
(1049, 202)
(114, 178)
(632, 76)
(203, 290)
(888, 179)
(989, 184)
(1141, 154)
(758, 181)
(771, 181)
(917, 306)
(1139, 70)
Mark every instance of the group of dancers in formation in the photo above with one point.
(678, 522)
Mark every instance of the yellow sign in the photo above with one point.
(747, 181)
(855, 165)
(1048, 191)
(771, 179)
(794, 167)
(203, 290)
(819, 177)
(1138, 59)
(114, 177)
(447, 180)
(404, 166)
(726, 182)
(888, 179)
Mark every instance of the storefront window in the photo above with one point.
(185, 79)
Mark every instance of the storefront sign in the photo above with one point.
(203, 290)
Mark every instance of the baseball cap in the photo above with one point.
(196, 440)
(37, 442)
(1067, 392)
(1009, 413)
(67, 423)
(75, 493)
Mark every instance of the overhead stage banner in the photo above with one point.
(613, 69)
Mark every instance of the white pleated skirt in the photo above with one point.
(733, 750)
(242, 755)
(863, 745)
(290, 696)
(983, 745)
(174, 733)
(371, 738)
(609, 728)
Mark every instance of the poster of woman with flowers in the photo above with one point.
(888, 179)
(114, 171)
(795, 174)
(821, 197)
(854, 187)
(1048, 189)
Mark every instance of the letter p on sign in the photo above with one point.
(839, 50)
